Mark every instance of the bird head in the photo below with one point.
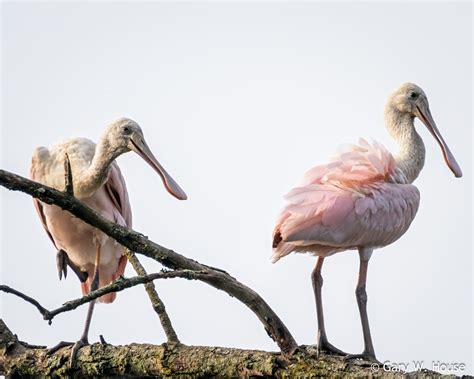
(125, 135)
(409, 99)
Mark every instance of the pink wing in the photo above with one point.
(117, 190)
(348, 203)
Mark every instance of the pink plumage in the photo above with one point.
(360, 198)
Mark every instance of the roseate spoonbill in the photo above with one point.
(97, 181)
(363, 199)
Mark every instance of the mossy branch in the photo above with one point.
(18, 359)
(155, 300)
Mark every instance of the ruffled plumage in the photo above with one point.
(359, 198)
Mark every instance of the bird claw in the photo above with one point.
(60, 345)
(75, 349)
(61, 263)
(76, 346)
(325, 347)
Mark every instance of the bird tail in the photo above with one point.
(282, 250)
(280, 247)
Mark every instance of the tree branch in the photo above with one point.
(140, 244)
(143, 360)
(27, 298)
(156, 302)
(117, 285)
(68, 182)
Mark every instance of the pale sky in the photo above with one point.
(237, 101)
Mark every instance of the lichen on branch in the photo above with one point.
(18, 359)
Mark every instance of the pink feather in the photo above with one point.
(357, 199)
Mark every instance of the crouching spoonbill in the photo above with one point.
(97, 181)
(362, 200)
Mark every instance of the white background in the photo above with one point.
(238, 101)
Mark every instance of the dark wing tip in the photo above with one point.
(276, 239)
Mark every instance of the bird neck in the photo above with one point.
(411, 157)
(98, 171)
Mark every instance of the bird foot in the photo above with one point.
(366, 356)
(61, 264)
(75, 349)
(325, 347)
(59, 346)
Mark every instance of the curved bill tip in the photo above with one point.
(456, 171)
(173, 188)
(449, 157)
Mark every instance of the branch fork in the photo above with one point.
(138, 243)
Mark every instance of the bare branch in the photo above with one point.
(140, 244)
(122, 283)
(69, 186)
(117, 285)
(156, 302)
(44, 312)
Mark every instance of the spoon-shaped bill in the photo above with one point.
(424, 115)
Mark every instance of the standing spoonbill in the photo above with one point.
(363, 199)
(97, 181)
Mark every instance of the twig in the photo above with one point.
(29, 346)
(156, 302)
(69, 186)
(117, 285)
(44, 312)
(138, 243)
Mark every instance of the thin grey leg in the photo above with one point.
(317, 280)
(83, 341)
(361, 296)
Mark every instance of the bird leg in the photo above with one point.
(361, 295)
(317, 280)
(62, 261)
(83, 341)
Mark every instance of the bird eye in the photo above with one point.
(413, 95)
(126, 130)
